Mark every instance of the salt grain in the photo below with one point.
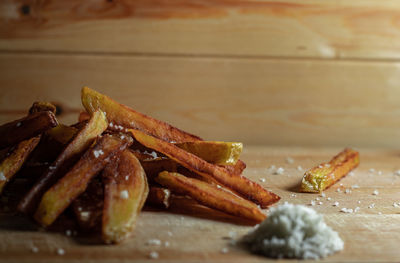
(336, 204)
(346, 210)
(18, 124)
(371, 205)
(153, 255)
(347, 191)
(262, 180)
(68, 232)
(323, 194)
(2, 177)
(375, 192)
(312, 202)
(289, 160)
(153, 242)
(224, 250)
(355, 186)
(320, 203)
(124, 194)
(35, 249)
(299, 168)
(372, 170)
(60, 251)
(329, 199)
(279, 171)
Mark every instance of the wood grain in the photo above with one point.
(199, 235)
(274, 102)
(330, 29)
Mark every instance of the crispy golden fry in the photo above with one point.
(159, 196)
(88, 207)
(62, 133)
(75, 182)
(121, 115)
(12, 163)
(125, 190)
(34, 124)
(69, 155)
(238, 183)
(222, 153)
(39, 106)
(211, 196)
(321, 177)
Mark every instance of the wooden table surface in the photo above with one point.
(199, 235)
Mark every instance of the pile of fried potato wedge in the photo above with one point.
(114, 160)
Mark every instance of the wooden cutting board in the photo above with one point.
(196, 234)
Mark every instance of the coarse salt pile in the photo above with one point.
(294, 231)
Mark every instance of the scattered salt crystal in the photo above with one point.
(289, 160)
(395, 205)
(351, 174)
(111, 124)
(355, 186)
(375, 192)
(2, 177)
(359, 202)
(293, 195)
(60, 251)
(232, 234)
(347, 191)
(341, 184)
(124, 194)
(346, 210)
(97, 153)
(280, 171)
(299, 168)
(85, 215)
(53, 167)
(356, 209)
(68, 232)
(122, 137)
(18, 124)
(379, 172)
(320, 203)
(397, 172)
(35, 249)
(336, 203)
(166, 244)
(126, 178)
(323, 194)
(317, 199)
(320, 166)
(218, 186)
(169, 233)
(379, 213)
(312, 202)
(262, 180)
(224, 250)
(371, 205)
(153, 255)
(372, 170)
(79, 208)
(338, 190)
(329, 199)
(327, 165)
(153, 242)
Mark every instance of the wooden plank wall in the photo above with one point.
(309, 72)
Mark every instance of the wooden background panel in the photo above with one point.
(257, 101)
(360, 29)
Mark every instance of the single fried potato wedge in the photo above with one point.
(125, 190)
(75, 182)
(221, 153)
(238, 183)
(62, 133)
(159, 196)
(324, 175)
(83, 139)
(13, 162)
(210, 196)
(121, 116)
(32, 125)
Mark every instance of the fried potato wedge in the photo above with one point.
(211, 196)
(236, 168)
(159, 196)
(221, 153)
(83, 139)
(125, 191)
(238, 183)
(88, 207)
(75, 182)
(34, 124)
(12, 163)
(62, 133)
(324, 175)
(120, 115)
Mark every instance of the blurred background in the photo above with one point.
(291, 73)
